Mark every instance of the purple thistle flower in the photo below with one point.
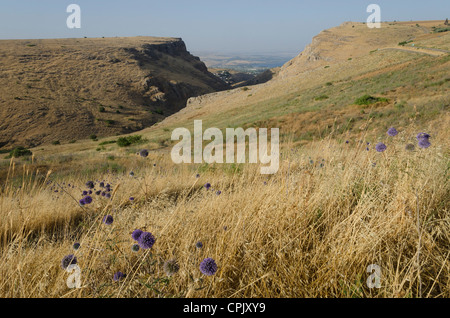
(380, 147)
(199, 245)
(102, 184)
(90, 184)
(136, 234)
(347, 141)
(423, 136)
(392, 132)
(208, 266)
(118, 276)
(103, 193)
(84, 193)
(108, 195)
(98, 192)
(108, 219)
(146, 240)
(131, 198)
(88, 199)
(218, 192)
(143, 153)
(68, 260)
(197, 176)
(424, 143)
(82, 202)
(207, 186)
(76, 246)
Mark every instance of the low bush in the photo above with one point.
(127, 141)
(19, 152)
(368, 99)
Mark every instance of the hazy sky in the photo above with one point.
(206, 25)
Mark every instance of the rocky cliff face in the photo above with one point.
(68, 89)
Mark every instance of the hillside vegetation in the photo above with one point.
(337, 204)
(67, 89)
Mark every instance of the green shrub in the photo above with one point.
(19, 152)
(439, 30)
(56, 142)
(367, 100)
(107, 142)
(404, 42)
(127, 141)
(93, 137)
(101, 109)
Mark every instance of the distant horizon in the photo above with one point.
(238, 27)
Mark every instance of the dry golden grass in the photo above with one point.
(308, 231)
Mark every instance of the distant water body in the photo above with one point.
(247, 61)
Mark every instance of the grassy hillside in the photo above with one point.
(336, 205)
(69, 89)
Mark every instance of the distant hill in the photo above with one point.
(68, 89)
(315, 93)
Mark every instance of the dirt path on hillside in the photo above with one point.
(427, 51)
